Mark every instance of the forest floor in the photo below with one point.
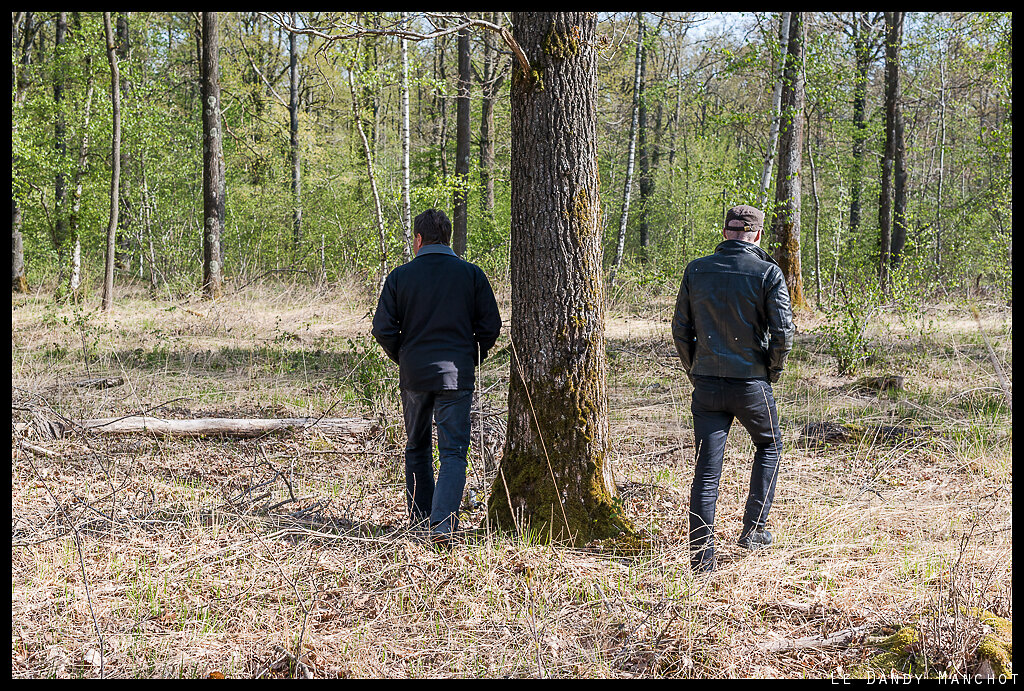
(288, 555)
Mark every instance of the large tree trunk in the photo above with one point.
(554, 478)
(115, 174)
(893, 37)
(213, 155)
(620, 243)
(460, 216)
(786, 225)
(293, 130)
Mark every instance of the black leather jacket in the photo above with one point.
(733, 316)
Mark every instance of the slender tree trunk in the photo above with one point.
(491, 83)
(19, 280)
(441, 75)
(115, 158)
(460, 216)
(942, 156)
(786, 225)
(407, 234)
(773, 130)
(75, 268)
(123, 252)
(893, 37)
(554, 477)
(293, 130)
(213, 155)
(645, 181)
(60, 140)
(368, 155)
(863, 35)
(817, 214)
(899, 193)
(631, 155)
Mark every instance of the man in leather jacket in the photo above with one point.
(733, 329)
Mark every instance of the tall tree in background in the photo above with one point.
(115, 157)
(786, 225)
(406, 198)
(554, 476)
(59, 143)
(864, 34)
(74, 217)
(620, 243)
(24, 21)
(460, 215)
(645, 180)
(213, 156)
(293, 133)
(122, 255)
(893, 38)
(491, 83)
(773, 130)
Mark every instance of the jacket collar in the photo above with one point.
(436, 249)
(735, 246)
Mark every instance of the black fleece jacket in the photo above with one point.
(435, 316)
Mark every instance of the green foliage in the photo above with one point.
(843, 333)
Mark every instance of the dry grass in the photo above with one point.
(165, 556)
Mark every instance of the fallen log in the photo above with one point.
(229, 427)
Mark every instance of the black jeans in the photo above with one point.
(716, 402)
(437, 502)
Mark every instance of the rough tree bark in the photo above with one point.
(554, 476)
(115, 174)
(786, 223)
(213, 154)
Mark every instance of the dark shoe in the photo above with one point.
(703, 567)
(441, 542)
(756, 538)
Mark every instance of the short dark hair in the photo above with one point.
(434, 227)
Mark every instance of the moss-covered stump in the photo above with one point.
(906, 652)
(897, 654)
(995, 652)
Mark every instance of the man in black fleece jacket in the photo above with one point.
(437, 318)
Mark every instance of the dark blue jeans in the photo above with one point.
(716, 402)
(437, 502)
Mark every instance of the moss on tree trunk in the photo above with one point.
(554, 478)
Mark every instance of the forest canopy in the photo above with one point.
(313, 108)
